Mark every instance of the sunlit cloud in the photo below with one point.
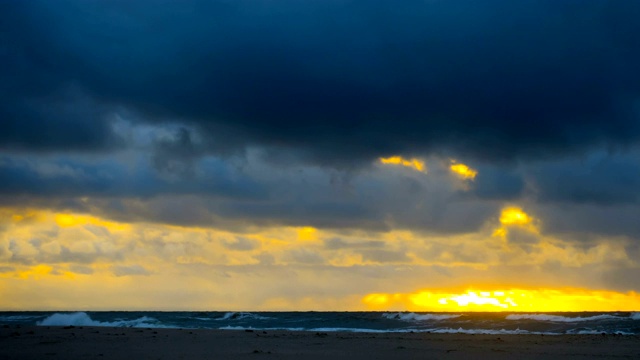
(35, 272)
(413, 163)
(278, 267)
(462, 171)
(515, 217)
(307, 233)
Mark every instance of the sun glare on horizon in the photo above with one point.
(512, 300)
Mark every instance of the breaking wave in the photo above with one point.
(241, 316)
(598, 332)
(558, 318)
(434, 331)
(418, 317)
(375, 322)
(83, 319)
(484, 331)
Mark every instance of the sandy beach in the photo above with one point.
(142, 343)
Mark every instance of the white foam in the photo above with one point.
(234, 328)
(324, 329)
(558, 318)
(241, 316)
(378, 331)
(229, 327)
(353, 330)
(597, 332)
(418, 317)
(82, 319)
(485, 331)
(635, 316)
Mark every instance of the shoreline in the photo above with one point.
(82, 342)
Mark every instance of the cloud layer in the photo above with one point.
(246, 142)
(332, 82)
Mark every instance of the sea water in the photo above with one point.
(625, 323)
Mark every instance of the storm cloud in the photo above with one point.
(295, 154)
(235, 113)
(335, 82)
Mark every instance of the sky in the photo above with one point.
(423, 155)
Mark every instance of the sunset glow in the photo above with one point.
(509, 299)
(463, 171)
(413, 163)
(88, 247)
(70, 220)
(514, 216)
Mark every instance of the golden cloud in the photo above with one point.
(413, 163)
(463, 171)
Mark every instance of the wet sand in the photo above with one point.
(137, 343)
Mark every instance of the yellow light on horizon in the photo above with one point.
(377, 299)
(463, 171)
(473, 298)
(413, 163)
(516, 300)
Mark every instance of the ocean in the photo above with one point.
(624, 323)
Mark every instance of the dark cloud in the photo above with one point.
(43, 103)
(573, 222)
(107, 177)
(493, 183)
(334, 82)
(229, 194)
(55, 122)
(60, 177)
(600, 179)
(176, 155)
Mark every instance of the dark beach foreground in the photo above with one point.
(41, 342)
